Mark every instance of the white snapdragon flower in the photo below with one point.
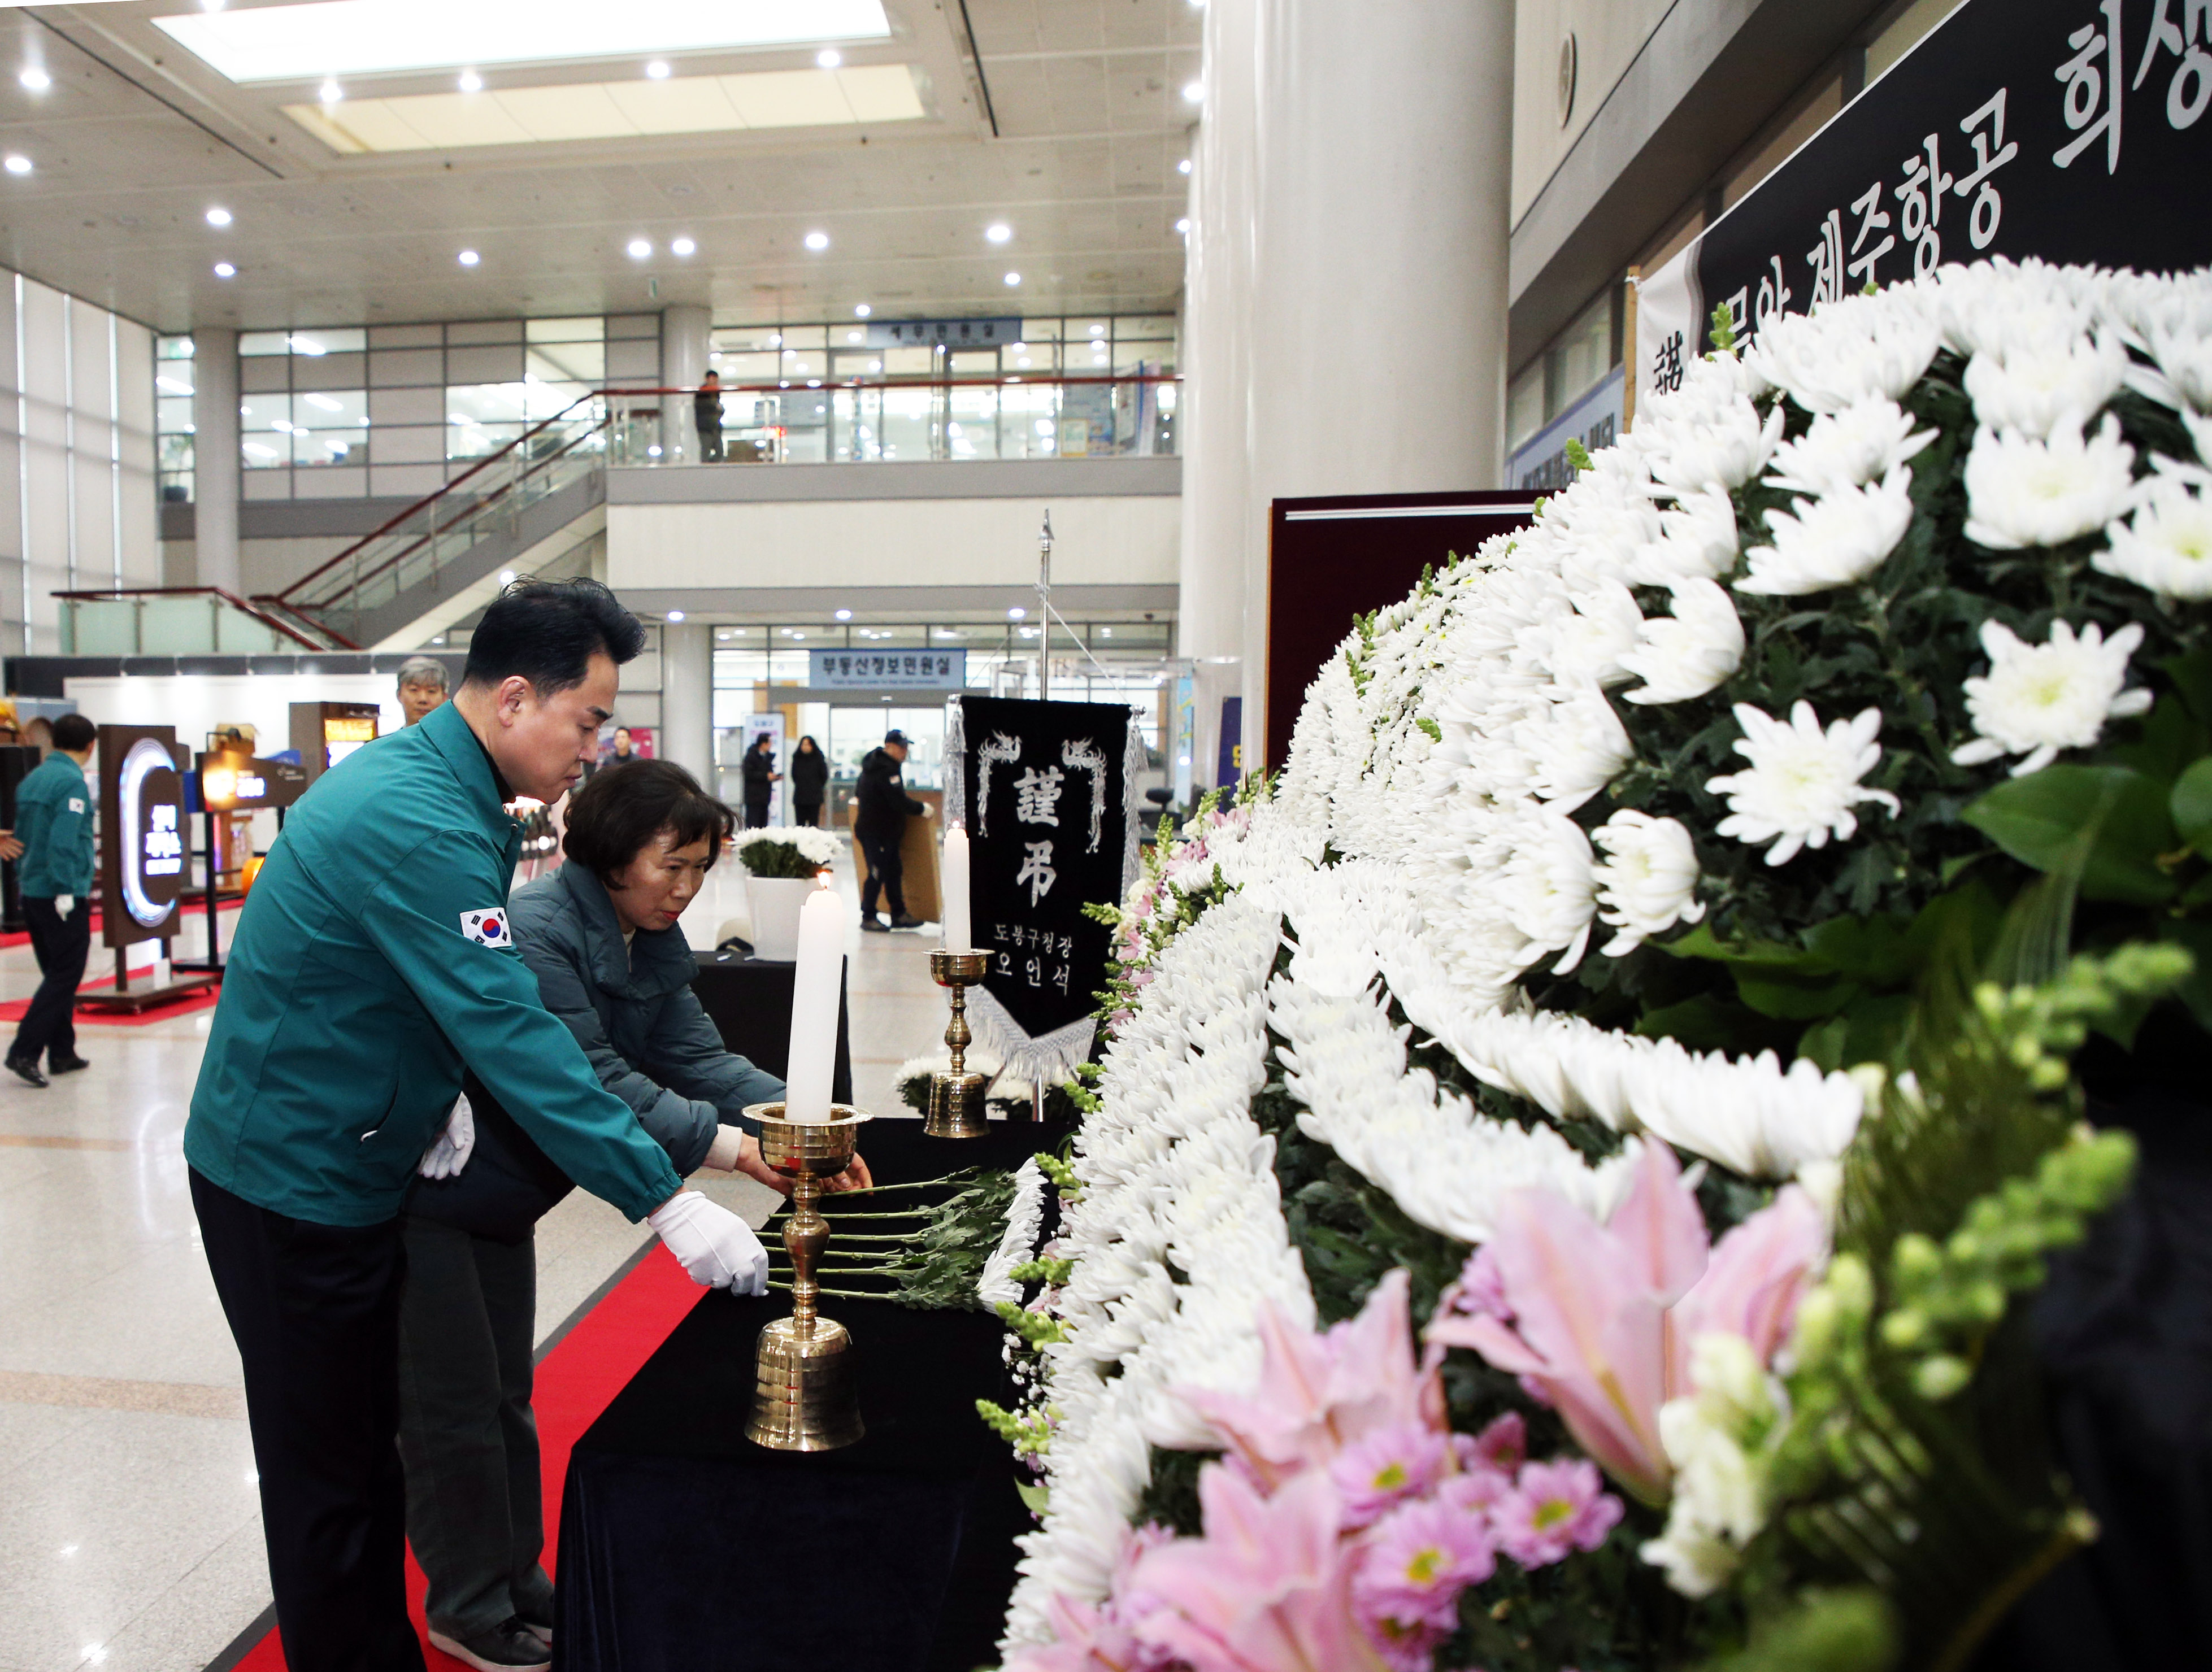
(1690, 652)
(2037, 700)
(1698, 540)
(2022, 492)
(1720, 1487)
(1802, 783)
(2167, 546)
(1848, 350)
(1548, 887)
(2039, 386)
(1836, 540)
(1648, 881)
(1858, 443)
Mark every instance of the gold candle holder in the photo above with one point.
(956, 1096)
(805, 1395)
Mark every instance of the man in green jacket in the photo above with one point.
(373, 960)
(53, 821)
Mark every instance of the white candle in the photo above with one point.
(954, 886)
(814, 994)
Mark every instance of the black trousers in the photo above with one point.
(315, 1311)
(882, 851)
(62, 944)
(806, 812)
(756, 811)
(710, 444)
(475, 1500)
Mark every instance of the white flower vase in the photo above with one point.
(776, 902)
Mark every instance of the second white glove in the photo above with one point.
(449, 1151)
(711, 1243)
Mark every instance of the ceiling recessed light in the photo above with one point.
(862, 310)
(218, 217)
(16, 163)
(640, 248)
(470, 82)
(468, 258)
(223, 270)
(829, 57)
(844, 614)
(210, 5)
(856, 336)
(681, 246)
(1183, 224)
(1194, 93)
(817, 242)
(1098, 330)
(1183, 167)
(35, 79)
(997, 232)
(506, 576)
(675, 615)
(1017, 613)
(1013, 278)
(330, 93)
(658, 71)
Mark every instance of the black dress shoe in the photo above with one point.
(68, 1064)
(512, 1648)
(26, 1069)
(875, 925)
(902, 921)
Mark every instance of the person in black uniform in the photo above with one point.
(880, 822)
(761, 779)
(707, 415)
(810, 781)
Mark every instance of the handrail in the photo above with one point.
(227, 596)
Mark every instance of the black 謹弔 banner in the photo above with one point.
(2074, 130)
(1043, 790)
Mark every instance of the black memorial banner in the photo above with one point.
(1044, 792)
(2066, 129)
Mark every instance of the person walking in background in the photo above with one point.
(706, 415)
(421, 686)
(761, 779)
(810, 781)
(53, 821)
(880, 824)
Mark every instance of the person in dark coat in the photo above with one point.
(600, 935)
(761, 779)
(707, 416)
(810, 781)
(879, 822)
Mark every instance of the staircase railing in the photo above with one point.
(174, 620)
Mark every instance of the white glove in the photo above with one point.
(64, 904)
(449, 1152)
(713, 1244)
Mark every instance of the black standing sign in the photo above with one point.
(2074, 130)
(1043, 790)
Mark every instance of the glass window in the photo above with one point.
(173, 348)
(325, 340)
(1579, 357)
(263, 452)
(331, 409)
(487, 402)
(589, 330)
(567, 362)
(322, 447)
(1524, 405)
(250, 343)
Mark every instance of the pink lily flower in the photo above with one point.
(1603, 1315)
(1319, 1393)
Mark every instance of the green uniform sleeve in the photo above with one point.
(488, 1004)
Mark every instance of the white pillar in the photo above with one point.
(1364, 155)
(685, 336)
(687, 699)
(215, 458)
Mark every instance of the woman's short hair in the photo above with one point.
(617, 815)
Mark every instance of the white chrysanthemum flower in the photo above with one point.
(1574, 748)
(1697, 540)
(1708, 434)
(2166, 545)
(2023, 492)
(1690, 652)
(1861, 443)
(1991, 306)
(1589, 643)
(1648, 881)
(1802, 783)
(2037, 700)
(2039, 386)
(1547, 887)
(2173, 316)
(1848, 350)
(1836, 540)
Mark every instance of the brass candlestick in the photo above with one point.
(805, 1397)
(956, 1096)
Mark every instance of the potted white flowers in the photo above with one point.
(781, 866)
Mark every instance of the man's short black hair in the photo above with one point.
(74, 732)
(546, 631)
(617, 815)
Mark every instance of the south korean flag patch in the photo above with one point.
(487, 928)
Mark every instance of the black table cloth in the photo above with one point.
(684, 1548)
(749, 1002)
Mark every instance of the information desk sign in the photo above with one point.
(886, 670)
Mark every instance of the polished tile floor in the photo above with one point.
(130, 1533)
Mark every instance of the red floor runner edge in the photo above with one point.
(593, 1362)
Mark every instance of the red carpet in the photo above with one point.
(13, 1009)
(590, 1364)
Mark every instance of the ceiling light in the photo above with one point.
(325, 402)
(470, 82)
(875, 366)
(997, 232)
(817, 242)
(829, 57)
(331, 92)
(218, 217)
(675, 615)
(1183, 224)
(35, 79)
(16, 163)
(798, 635)
(223, 270)
(844, 614)
(856, 336)
(657, 70)
(1025, 362)
(1098, 330)
(862, 310)
(1017, 613)
(640, 248)
(468, 258)
(814, 383)
(1183, 167)
(1013, 278)
(1194, 93)
(210, 5)
(506, 576)
(681, 246)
